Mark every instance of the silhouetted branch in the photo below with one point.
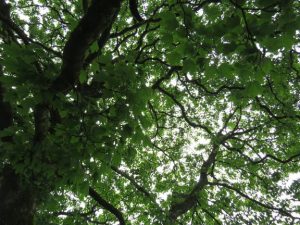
(99, 16)
(133, 6)
(190, 200)
(106, 205)
(264, 205)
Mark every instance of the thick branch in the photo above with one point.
(16, 201)
(97, 21)
(98, 18)
(101, 42)
(41, 122)
(133, 6)
(190, 200)
(6, 118)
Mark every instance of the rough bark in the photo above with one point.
(188, 201)
(133, 6)
(97, 19)
(16, 199)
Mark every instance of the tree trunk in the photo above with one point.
(17, 200)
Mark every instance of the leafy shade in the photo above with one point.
(149, 112)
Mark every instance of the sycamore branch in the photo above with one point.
(106, 205)
(99, 16)
(135, 26)
(189, 201)
(137, 186)
(293, 158)
(12, 28)
(96, 21)
(41, 122)
(184, 112)
(87, 216)
(132, 181)
(290, 159)
(264, 205)
(133, 6)
(101, 42)
(6, 118)
(167, 76)
(211, 215)
(157, 86)
(5, 18)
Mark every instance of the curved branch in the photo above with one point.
(133, 6)
(211, 215)
(106, 205)
(190, 200)
(5, 18)
(100, 15)
(101, 42)
(132, 181)
(264, 205)
(133, 27)
(14, 28)
(183, 111)
(277, 159)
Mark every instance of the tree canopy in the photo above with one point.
(149, 112)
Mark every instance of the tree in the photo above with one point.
(149, 112)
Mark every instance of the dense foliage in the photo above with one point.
(149, 112)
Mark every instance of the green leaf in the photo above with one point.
(189, 66)
(174, 58)
(83, 76)
(94, 47)
(116, 159)
(167, 39)
(267, 66)
(226, 69)
(197, 89)
(83, 188)
(186, 49)
(168, 21)
(105, 58)
(253, 89)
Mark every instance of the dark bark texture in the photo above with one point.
(17, 200)
(97, 19)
